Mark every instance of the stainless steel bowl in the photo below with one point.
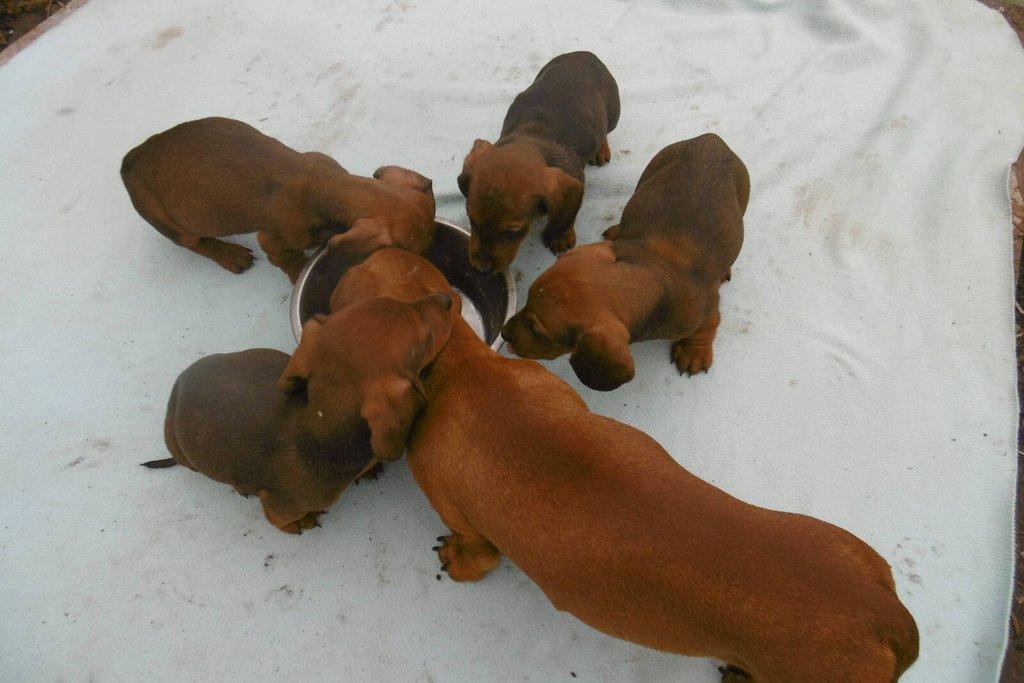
(488, 301)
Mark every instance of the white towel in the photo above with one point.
(864, 370)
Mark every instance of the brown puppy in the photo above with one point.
(551, 131)
(270, 426)
(615, 532)
(656, 276)
(214, 177)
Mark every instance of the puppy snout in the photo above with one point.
(482, 265)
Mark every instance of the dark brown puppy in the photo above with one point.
(655, 277)
(269, 426)
(214, 177)
(634, 546)
(551, 131)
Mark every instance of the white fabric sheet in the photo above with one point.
(863, 372)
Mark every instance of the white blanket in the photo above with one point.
(863, 373)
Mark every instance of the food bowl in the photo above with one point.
(488, 301)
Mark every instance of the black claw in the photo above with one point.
(442, 538)
(444, 567)
(436, 548)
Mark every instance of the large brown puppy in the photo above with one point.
(269, 426)
(615, 532)
(655, 277)
(214, 177)
(551, 131)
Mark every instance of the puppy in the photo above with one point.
(551, 131)
(655, 277)
(214, 177)
(615, 532)
(296, 431)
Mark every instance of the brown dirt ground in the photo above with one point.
(18, 17)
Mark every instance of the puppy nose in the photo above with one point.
(484, 267)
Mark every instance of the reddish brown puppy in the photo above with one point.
(296, 431)
(215, 177)
(615, 532)
(655, 277)
(551, 131)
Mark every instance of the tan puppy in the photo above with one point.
(656, 277)
(615, 532)
(551, 130)
(215, 177)
(269, 426)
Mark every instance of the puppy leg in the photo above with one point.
(281, 255)
(467, 556)
(693, 354)
(558, 242)
(285, 514)
(233, 257)
(603, 156)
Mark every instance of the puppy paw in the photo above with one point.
(235, 257)
(603, 156)
(563, 242)
(612, 233)
(466, 558)
(308, 521)
(728, 276)
(691, 358)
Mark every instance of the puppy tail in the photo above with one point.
(160, 464)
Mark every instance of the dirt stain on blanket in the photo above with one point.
(166, 36)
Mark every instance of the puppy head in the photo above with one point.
(565, 298)
(408, 209)
(361, 366)
(569, 310)
(394, 273)
(506, 189)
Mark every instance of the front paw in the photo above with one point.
(466, 558)
(691, 358)
(307, 521)
(563, 242)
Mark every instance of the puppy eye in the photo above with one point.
(513, 233)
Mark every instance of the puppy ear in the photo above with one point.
(390, 407)
(602, 359)
(436, 312)
(296, 373)
(464, 183)
(364, 236)
(561, 199)
(467, 165)
(404, 176)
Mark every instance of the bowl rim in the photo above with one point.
(295, 312)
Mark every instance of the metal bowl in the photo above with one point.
(488, 301)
